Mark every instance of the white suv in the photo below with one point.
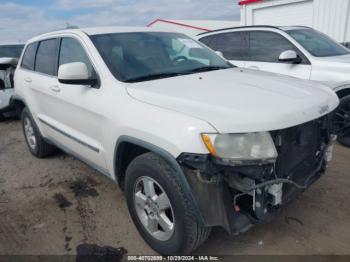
(295, 51)
(193, 141)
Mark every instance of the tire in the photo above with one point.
(40, 148)
(342, 121)
(187, 232)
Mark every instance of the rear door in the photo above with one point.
(26, 71)
(42, 81)
(233, 45)
(264, 50)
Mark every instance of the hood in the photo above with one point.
(239, 100)
(336, 59)
(8, 61)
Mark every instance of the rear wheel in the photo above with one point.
(36, 143)
(342, 121)
(159, 208)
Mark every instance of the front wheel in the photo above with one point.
(159, 208)
(342, 121)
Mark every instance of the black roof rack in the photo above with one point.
(251, 26)
(303, 26)
(239, 27)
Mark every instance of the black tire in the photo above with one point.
(342, 121)
(188, 232)
(42, 149)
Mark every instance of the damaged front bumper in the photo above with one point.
(5, 102)
(7, 69)
(237, 196)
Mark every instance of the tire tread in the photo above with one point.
(197, 234)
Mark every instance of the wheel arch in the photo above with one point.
(343, 92)
(126, 145)
(18, 103)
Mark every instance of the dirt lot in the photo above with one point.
(54, 205)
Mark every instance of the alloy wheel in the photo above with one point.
(29, 133)
(154, 209)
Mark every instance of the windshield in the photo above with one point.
(134, 57)
(316, 43)
(13, 51)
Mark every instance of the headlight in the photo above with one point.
(241, 147)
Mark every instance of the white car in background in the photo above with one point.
(194, 141)
(295, 51)
(9, 54)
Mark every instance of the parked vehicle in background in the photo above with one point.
(295, 51)
(9, 54)
(329, 17)
(194, 141)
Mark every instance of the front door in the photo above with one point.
(80, 115)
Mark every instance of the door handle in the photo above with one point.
(254, 67)
(55, 88)
(28, 79)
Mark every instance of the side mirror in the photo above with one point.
(75, 74)
(290, 56)
(219, 53)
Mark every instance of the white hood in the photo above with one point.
(337, 59)
(8, 61)
(239, 100)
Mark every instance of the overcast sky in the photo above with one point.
(22, 19)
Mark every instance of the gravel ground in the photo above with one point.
(54, 205)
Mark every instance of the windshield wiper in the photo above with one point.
(151, 77)
(206, 69)
(172, 74)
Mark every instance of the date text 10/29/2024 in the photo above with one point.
(173, 258)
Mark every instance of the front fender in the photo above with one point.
(170, 160)
(336, 86)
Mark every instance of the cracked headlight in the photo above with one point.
(241, 147)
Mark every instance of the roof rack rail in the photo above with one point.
(303, 26)
(239, 27)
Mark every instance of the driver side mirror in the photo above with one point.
(290, 56)
(75, 73)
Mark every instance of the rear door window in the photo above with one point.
(46, 57)
(28, 59)
(209, 41)
(232, 45)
